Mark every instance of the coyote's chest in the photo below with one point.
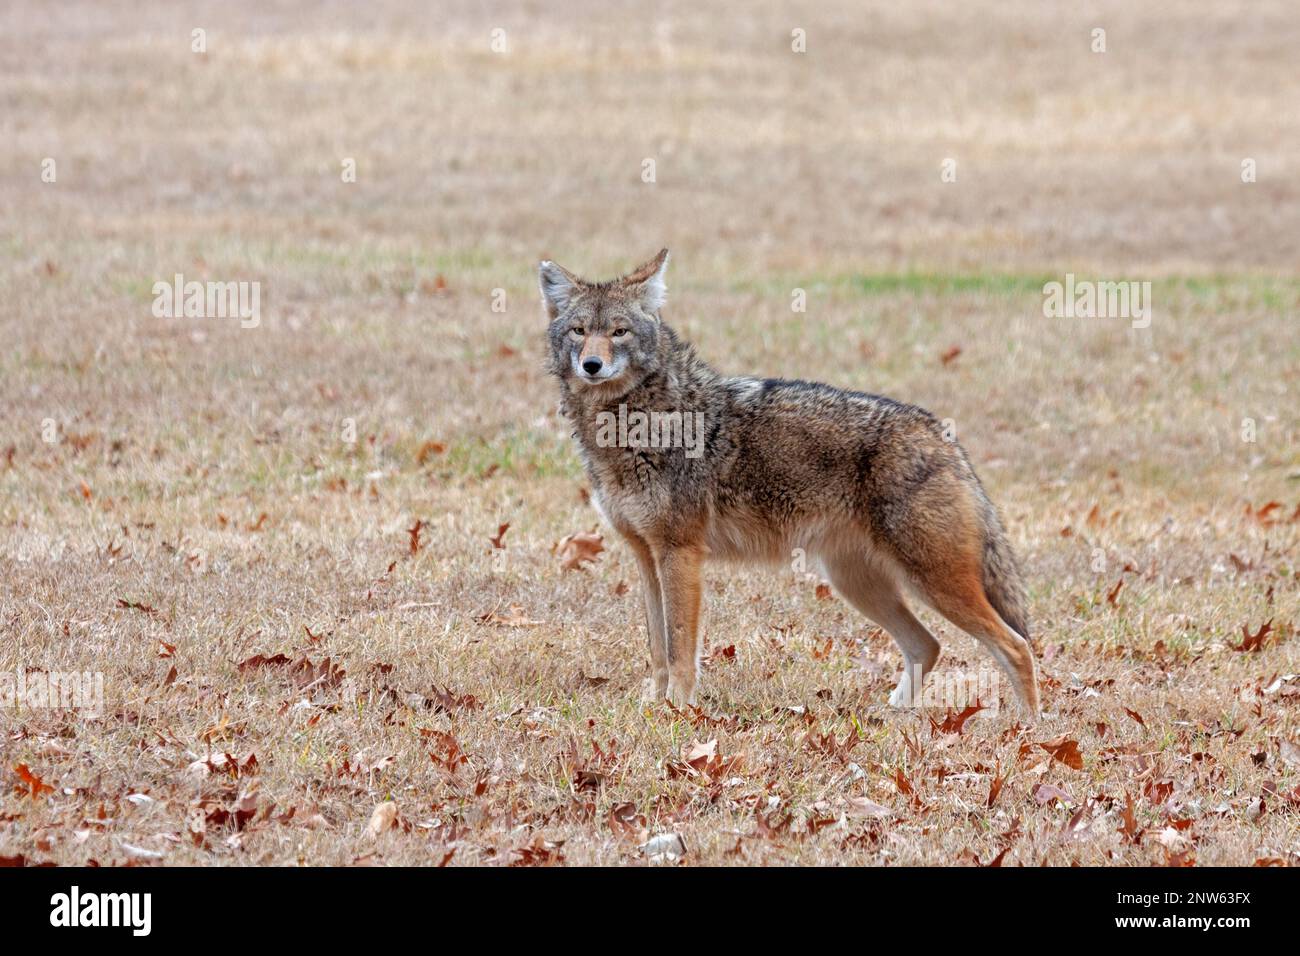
(629, 489)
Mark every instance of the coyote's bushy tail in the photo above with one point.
(1003, 584)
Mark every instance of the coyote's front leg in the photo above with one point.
(654, 620)
(679, 579)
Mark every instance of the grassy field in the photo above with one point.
(275, 543)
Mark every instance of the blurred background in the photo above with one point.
(500, 129)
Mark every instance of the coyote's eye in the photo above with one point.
(578, 332)
(619, 333)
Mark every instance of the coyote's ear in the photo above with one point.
(648, 283)
(558, 286)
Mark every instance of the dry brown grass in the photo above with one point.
(775, 171)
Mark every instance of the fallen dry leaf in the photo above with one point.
(576, 549)
(1113, 594)
(515, 616)
(1290, 753)
(136, 606)
(1253, 643)
(862, 807)
(953, 723)
(258, 661)
(665, 848)
(698, 753)
(1065, 750)
(34, 784)
(428, 450)
(413, 532)
(1046, 793)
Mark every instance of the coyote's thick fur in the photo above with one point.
(869, 487)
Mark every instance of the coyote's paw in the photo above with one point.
(680, 696)
(902, 695)
(653, 691)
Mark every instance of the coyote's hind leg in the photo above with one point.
(874, 592)
(961, 599)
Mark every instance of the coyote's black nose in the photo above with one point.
(591, 366)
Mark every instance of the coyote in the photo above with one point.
(868, 487)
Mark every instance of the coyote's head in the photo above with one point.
(604, 335)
